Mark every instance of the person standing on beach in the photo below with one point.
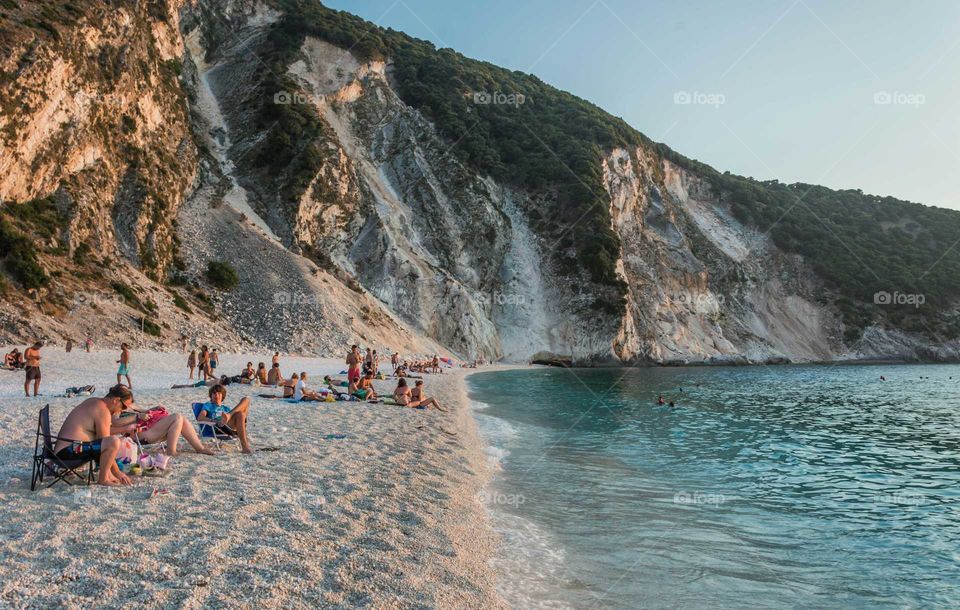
(203, 365)
(214, 362)
(88, 344)
(353, 364)
(376, 362)
(124, 361)
(368, 361)
(69, 345)
(395, 360)
(31, 356)
(192, 362)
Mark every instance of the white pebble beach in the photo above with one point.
(387, 516)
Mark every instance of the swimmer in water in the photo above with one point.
(660, 399)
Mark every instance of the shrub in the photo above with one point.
(222, 275)
(150, 327)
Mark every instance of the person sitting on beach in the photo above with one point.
(416, 396)
(88, 433)
(151, 428)
(290, 385)
(234, 420)
(364, 390)
(247, 374)
(300, 391)
(274, 377)
(12, 360)
(262, 373)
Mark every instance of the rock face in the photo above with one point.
(145, 124)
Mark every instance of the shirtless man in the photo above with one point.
(274, 377)
(365, 389)
(124, 361)
(87, 432)
(32, 357)
(235, 418)
(353, 365)
(395, 360)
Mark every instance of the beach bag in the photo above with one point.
(127, 454)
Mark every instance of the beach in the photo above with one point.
(387, 516)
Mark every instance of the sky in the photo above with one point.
(844, 93)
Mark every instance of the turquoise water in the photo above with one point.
(764, 487)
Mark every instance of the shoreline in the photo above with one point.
(389, 516)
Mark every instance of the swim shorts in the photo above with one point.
(124, 369)
(353, 374)
(77, 450)
(33, 373)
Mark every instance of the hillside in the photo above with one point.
(357, 184)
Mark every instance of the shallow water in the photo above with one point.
(789, 486)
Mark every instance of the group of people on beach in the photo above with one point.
(97, 428)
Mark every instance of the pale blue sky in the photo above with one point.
(798, 77)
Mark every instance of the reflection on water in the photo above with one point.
(789, 486)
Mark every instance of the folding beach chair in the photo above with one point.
(46, 462)
(217, 432)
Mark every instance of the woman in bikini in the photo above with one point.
(424, 401)
(404, 397)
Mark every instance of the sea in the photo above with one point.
(761, 487)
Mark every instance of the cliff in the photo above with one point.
(164, 136)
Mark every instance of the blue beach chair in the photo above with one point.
(209, 430)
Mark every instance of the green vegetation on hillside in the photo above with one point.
(552, 143)
(506, 124)
(222, 275)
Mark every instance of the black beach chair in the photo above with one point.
(46, 462)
